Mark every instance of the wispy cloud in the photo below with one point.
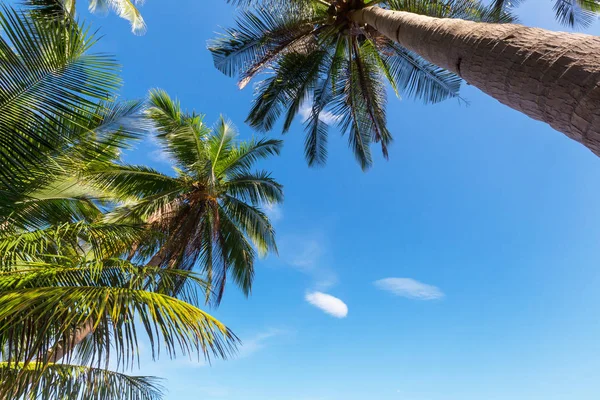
(274, 212)
(307, 254)
(410, 288)
(325, 116)
(329, 304)
(159, 154)
(258, 342)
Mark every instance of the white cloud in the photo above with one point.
(329, 304)
(410, 288)
(326, 116)
(274, 212)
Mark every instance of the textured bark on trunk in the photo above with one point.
(550, 76)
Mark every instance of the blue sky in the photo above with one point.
(467, 263)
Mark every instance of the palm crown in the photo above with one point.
(320, 58)
(209, 212)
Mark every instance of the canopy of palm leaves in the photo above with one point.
(51, 91)
(573, 13)
(64, 267)
(74, 382)
(66, 286)
(321, 61)
(65, 10)
(209, 212)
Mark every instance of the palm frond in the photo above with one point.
(43, 306)
(63, 381)
(296, 74)
(576, 13)
(126, 9)
(68, 239)
(254, 187)
(46, 78)
(260, 38)
(418, 78)
(242, 157)
(182, 134)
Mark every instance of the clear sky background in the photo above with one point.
(496, 215)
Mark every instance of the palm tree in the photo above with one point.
(66, 291)
(337, 52)
(210, 211)
(63, 266)
(573, 13)
(208, 214)
(65, 10)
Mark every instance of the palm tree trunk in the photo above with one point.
(550, 76)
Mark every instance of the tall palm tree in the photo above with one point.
(336, 52)
(65, 10)
(62, 268)
(573, 13)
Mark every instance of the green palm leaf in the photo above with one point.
(47, 78)
(63, 381)
(44, 306)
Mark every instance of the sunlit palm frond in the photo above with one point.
(63, 10)
(130, 182)
(126, 9)
(43, 305)
(74, 382)
(241, 158)
(69, 239)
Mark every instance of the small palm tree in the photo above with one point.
(335, 69)
(209, 212)
(208, 215)
(573, 13)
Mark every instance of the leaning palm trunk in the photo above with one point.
(550, 76)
